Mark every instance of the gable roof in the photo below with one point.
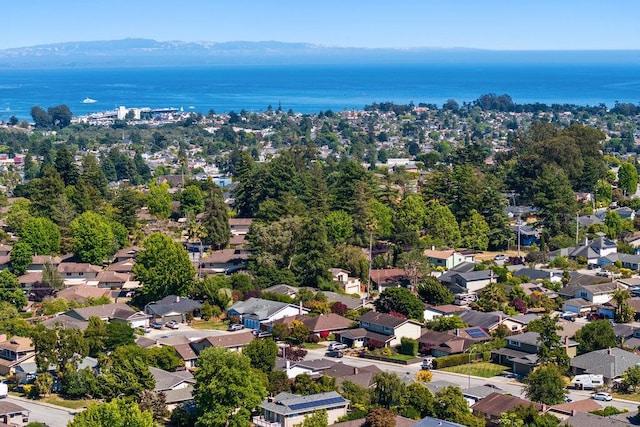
(287, 403)
(260, 308)
(384, 319)
(172, 304)
(227, 341)
(496, 403)
(584, 419)
(582, 405)
(82, 293)
(105, 311)
(481, 319)
(166, 380)
(388, 276)
(610, 363)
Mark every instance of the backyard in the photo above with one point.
(478, 369)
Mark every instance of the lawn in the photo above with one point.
(478, 369)
(634, 397)
(70, 404)
(312, 345)
(217, 325)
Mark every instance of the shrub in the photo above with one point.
(374, 344)
(313, 338)
(453, 360)
(409, 346)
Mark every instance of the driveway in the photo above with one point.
(51, 415)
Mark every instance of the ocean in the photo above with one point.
(312, 88)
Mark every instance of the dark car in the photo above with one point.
(334, 353)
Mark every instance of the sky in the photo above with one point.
(483, 24)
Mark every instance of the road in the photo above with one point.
(510, 386)
(52, 416)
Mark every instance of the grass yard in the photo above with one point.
(478, 369)
(217, 325)
(634, 397)
(69, 404)
(312, 345)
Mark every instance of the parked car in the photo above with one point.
(172, 325)
(602, 396)
(499, 257)
(337, 346)
(263, 334)
(334, 353)
(157, 325)
(235, 327)
(604, 273)
(569, 315)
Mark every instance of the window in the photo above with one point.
(514, 328)
(514, 343)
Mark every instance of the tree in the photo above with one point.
(127, 203)
(388, 389)
(628, 178)
(93, 238)
(441, 225)
(551, 349)
(11, 323)
(21, 256)
(40, 117)
(159, 200)
(315, 419)
(630, 379)
(475, 232)
(400, 300)
(51, 277)
(545, 385)
(191, 200)
(262, 354)
(117, 413)
(417, 401)
(339, 226)
(312, 263)
(450, 405)
(164, 357)
(216, 218)
(10, 290)
(596, 335)
(66, 167)
(42, 235)
(43, 383)
(298, 332)
(118, 334)
(163, 267)
(410, 218)
(226, 392)
(18, 213)
(96, 334)
(433, 292)
(446, 323)
(623, 314)
(556, 199)
(124, 372)
(60, 115)
(614, 224)
(380, 417)
(155, 402)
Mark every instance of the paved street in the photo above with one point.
(52, 416)
(509, 385)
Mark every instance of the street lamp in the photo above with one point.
(470, 350)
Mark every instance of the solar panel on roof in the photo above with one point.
(476, 333)
(311, 404)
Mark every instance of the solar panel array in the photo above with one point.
(476, 333)
(311, 404)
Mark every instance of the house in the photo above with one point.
(240, 226)
(176, 386)
(349, 301)
(126, 254)
(288, 410)
(487, 321)
(475, 394)
(225, 261)
(433, 422)
(255, 312)
(290, 291)
(314, 368)
(632, 262)
(580, 306)
(388, 277)
(494, 405)
(77, 272)
(350, 285)
(111, 279)
(528, 235)
(124, 266)
(391, 326)
(517, 324)
(399, 421)
(172, 308)
(118, 312)
(5, 250)
(534, 274)
(13, 415)
(82, 293)
(320, 325)
(596, 294)
(14, 351)
(585, 419)
(187, 354)
(39, 261)
(567, 409)
(232, 342)
(66, 322)
(520, 354)
(610, 363)
(473, 281)
(457, 341)
(359, 375)
(445, 310)
(447, 259)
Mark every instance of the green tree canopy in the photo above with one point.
(400, 300)
(192, 200)
(441, 225)
(433, 292)
(628, 178)
(117, 413)
(262, 354)
(10, 290)
(596, 335)
(21, 256)
(546, 385)
(159, 200)
(226, 392)
(93, 238)
(42, 235)
(163, 267)
(475, 232)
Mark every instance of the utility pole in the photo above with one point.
(370, 252)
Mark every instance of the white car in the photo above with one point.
(337, 346)
(172, 325)
(602, 396)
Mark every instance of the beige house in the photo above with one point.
(288, 410)
(350, 285)
(392, 327)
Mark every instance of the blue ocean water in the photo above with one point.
(309, 88)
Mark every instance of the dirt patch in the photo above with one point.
(488, 256)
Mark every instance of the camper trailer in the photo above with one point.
(587, 382)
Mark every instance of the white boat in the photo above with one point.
(89, 101)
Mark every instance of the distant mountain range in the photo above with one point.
(145, 52)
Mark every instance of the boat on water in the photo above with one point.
(89, 101)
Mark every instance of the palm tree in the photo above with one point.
(620, 296)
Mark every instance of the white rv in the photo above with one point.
(585, 382)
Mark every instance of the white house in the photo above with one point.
(350, 285)
(257, 311)
(447, 259)
(446, 310)
(288, 410)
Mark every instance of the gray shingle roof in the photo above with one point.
(172, 303)
(283, 402)
(611, 363)
(258, 307)
(481, 319)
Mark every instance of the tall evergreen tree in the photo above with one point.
(216, 219)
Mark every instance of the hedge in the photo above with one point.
(454, 360)
(408, 346)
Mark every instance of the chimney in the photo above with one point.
(300, 307)
(355, 370)
(177, 298)
(566, 343)
(457, 332)
(609, 352)
(288, 365)
(433, 247)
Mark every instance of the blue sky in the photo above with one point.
(488, 24)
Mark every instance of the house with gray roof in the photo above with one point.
(471, 281)
(172, 308)
(488, 321)
(255, 312)
(520, 354)
(117, 312)
(390, 326)
(611, 363)
(288, 410)
(176, 386)
(629, 261)
(434, 422)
